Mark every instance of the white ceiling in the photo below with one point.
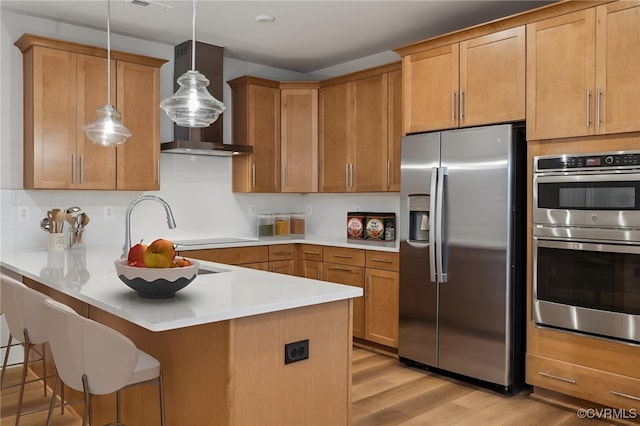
(306, 36)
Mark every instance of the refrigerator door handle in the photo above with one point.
(442, 275)
(432, 227)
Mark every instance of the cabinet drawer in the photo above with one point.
(312, 252)
(231, 255)
(591, 384)
(382, 260)
(281, 252)
(344, 256)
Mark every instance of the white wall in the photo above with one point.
(197, 188)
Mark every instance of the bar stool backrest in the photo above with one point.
(23, 309)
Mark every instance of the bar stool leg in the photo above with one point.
(53, 400)
(88, 412)
(161, 391)
(27, 348)
(6, 360)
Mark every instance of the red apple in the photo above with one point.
(159, 254)
(136, 254)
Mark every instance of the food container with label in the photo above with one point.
(355, 225)
(266, 225)
(374, 226)
(282, 225)
(296, 224)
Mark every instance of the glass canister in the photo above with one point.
(282, 224)
(297, 224)
(266, 225)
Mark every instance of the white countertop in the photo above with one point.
(89, 275)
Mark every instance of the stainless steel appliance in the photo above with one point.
(462, 234)
(586, 243)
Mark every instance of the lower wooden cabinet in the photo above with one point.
(311, 264)
(381, 307)
(354, 276)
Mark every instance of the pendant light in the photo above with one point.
(192, 105)
(107, 129)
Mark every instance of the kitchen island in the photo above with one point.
(220, 340)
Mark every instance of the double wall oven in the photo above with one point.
(586, 244)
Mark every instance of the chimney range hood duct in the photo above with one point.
(203, 140)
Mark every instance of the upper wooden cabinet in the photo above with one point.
(256, 122)
(64, 84)
(477, 81)
(299, 137)
(355, 136)
(582, 76)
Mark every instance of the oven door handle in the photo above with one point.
(586, 176)
(587, 246)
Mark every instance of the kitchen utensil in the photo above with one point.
(59, 218)
(44, 224)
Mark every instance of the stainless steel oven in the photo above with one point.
(586, 243)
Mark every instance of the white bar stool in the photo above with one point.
(7, 348)
(95, 359)
(24, 311)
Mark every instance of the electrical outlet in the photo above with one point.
(108, 212)
(309, 210)
(252, 210)
(296, 351)
(23, 214)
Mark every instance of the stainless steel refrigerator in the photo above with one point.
(462, 253)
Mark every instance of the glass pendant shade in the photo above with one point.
(192, 105)
(107, 129)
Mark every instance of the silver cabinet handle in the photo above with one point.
(453, 106)
(310, 252)
(342, 256)
(340, 268)
(351, 175)
(562, 379)
(73, 168)
(625, 395)
(81, 168)
(388, 174)
(366, 287)
(253, 175)
(461, 105)
(282, 252)
(588, 107)
(598, 105)
(381, 260)
(284, 176)
(346, 175)
(319, 273)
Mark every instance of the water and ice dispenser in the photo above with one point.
(419, 217)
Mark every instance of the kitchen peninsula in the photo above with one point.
(220, 340)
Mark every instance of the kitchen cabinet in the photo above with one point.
(256, 122)
(282, 259)
(311, 261)
(255, 257)
(346, 266)
(64, 84)
(299, 136)
(582, 73)
(473, 82)
(381, 298)
(354, 132)
(394, 129)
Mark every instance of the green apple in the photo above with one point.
(159, 254)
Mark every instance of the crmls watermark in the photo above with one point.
(607, 413)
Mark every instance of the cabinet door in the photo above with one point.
(299, 140)
(264, 135)
(394, 129)
(617, 65)
(312, 269)
(283, 267)
(349, 275)
(95, 165)
(260, 266)
(49, 118)
(381, 307)
(369, 151)
(335, 136)
(430, 89)
(138, 99)
(492, 78)
(561, 76)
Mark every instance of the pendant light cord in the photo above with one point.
(109, 52)
(193, 38)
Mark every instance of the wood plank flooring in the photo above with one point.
(383, 393)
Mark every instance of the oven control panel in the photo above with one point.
(599, 161)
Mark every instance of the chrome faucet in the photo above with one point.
(127, 227)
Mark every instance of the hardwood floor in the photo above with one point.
(384, 393)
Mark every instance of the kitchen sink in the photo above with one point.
(211, 241)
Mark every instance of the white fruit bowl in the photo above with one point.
(156, 283)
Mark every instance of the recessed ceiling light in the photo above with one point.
(145, 3)
(265, 19)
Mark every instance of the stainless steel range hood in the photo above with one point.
(204, 140)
